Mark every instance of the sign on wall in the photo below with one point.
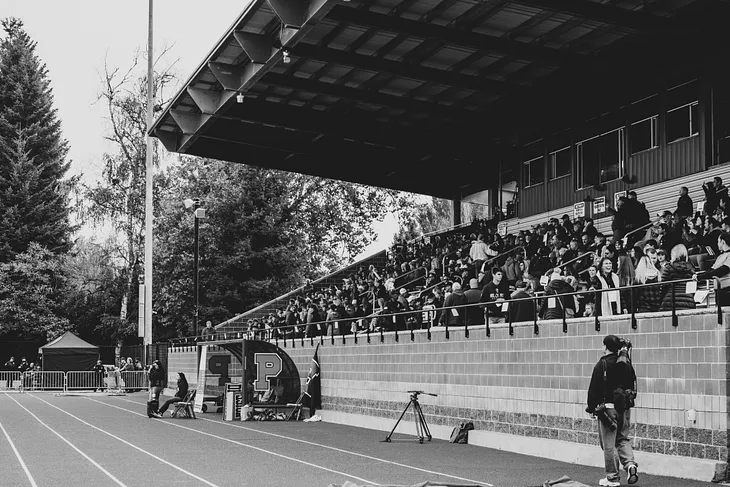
(599, 205)
(579, 210)
(616, 196)
(502, 229)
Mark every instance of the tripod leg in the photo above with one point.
(417, 418)
(422, 419)
(387, 438)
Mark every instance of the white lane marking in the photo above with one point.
(129, 444)
(243, 444)
(20, 459)
(116, 480)
(361, 455)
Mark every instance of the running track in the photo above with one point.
(99, 440)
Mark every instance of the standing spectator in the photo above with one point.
(157, 382)
(494, 293)
(552, 308)
(99, 375)
(474, 314)
(479, 252)
(24, 365)
(10, 365)
(678, 268)
(208, 330)
(648, 299)
(453, 316)
(520, 311)
(685, 208)
(610, 302)
(714, 192)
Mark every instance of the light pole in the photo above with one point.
(199, 214)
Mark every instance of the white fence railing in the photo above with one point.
(131, 381)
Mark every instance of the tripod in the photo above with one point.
(422, 430)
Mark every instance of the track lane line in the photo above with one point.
(303, 462)
(20, 459)
(180, 469)
(93, 462)
(333, 448)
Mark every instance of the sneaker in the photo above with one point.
(156, 415)
(605, 482)
(633, 473)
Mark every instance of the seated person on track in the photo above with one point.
(182, 391)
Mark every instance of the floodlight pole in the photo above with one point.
(149, 174)
(196, 268)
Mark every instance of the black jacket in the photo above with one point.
(182, 388)
(600, 390)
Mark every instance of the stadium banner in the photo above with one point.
(579, 210)
(599, 205)
(202, 369)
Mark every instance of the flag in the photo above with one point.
(313, 391)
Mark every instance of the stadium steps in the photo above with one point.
(239, 323)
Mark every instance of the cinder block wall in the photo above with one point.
(535, 385)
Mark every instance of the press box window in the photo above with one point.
(533, 172)
(600, 159)
(682, 122)
(560, 163)
(643, 135)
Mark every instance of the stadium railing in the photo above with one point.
(9, 381)
(38, 380)
(285, 335)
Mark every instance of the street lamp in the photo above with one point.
(199, 214)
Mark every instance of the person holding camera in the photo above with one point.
(611, 396)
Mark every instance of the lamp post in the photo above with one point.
(199, 214)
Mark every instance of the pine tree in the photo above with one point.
(33, 196)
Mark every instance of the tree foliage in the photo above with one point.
(34, 204)
(419, 215)
(265, 231)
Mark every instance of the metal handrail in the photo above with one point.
(496, 257)
(576, 259)
(483, 305)
(643, 227)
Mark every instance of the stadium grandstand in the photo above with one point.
(598, 134)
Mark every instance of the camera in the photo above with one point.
(604, 417)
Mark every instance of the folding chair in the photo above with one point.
(184, 408)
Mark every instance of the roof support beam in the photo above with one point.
(404, 70)
(602, 12)
(189, 122)
(209, 101)
(169, 139)
(451, 35)
(257, 47)
(292, 13)
(236, 78)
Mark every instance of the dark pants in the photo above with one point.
(169, 403)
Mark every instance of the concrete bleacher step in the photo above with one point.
(239, 323)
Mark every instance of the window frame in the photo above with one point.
(553, 165)
(527, 163)
(691, 125)
(579, 159)
(654, 134)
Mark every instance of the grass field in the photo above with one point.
(98, 440)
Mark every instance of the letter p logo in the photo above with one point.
(268, 366)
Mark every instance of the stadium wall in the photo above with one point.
(527, 392)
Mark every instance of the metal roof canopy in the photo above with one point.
(424, 95)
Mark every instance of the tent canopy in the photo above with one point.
(69, 352)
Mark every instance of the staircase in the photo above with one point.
(239, 323)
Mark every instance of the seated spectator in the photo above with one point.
(182, 391)
(609, 302)
(678, 268)
(661, 259)
(721, 270)
(648, 299)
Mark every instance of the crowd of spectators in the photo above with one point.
(476, 264)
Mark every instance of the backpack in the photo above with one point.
(460, 434)
(623, 399)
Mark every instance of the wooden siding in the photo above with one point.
(532, 199)
(671, 161)
(560, 193)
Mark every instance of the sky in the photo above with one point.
(76, 38)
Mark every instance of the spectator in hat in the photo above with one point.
(552, 308)
(474, 313)
(520, 311)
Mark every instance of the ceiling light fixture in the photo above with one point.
(285, 56)
(240, 98)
